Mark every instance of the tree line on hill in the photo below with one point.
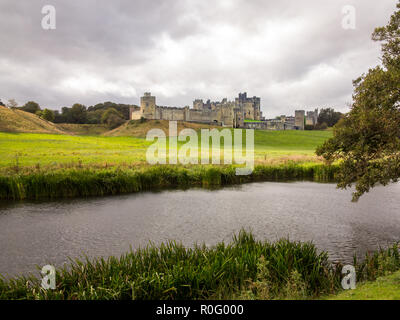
(108, 113)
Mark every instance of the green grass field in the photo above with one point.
(41, 166)
(31, 149)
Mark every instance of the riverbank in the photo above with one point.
(96, 181)
(383, 288)
(244, 269)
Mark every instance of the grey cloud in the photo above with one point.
(291, 53)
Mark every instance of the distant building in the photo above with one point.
(299, 120)
(225, 113)
(243, 112)
(312, 117)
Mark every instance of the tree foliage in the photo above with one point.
(123, 109)
(329, 116)
(31, 106)
(93, 113)
(48, 115)
(367, 140)
(112, 118)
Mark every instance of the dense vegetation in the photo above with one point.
(367, 140)
(328, 117)
(84, 182)
(79, 113)
(243, 269)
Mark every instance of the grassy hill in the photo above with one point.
(13, 120)
(136, 128)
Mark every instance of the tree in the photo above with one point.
(112, 118)
(94, 117)
(2, 104)
(321, 126)
(31, 106)
(329, 116)
(367, 139)
(12, 104)
(123, 109)
(48, 115)
(78, 113)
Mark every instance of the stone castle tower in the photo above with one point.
(299, 119)
(148, 105)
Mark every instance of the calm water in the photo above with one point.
(40, 233)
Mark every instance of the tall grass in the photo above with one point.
(243, 269)
(172, 271)
(84, 182)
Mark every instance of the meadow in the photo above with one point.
(42, 166)
(53, 150)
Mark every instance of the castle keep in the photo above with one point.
(225, 113)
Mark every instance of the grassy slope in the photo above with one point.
(20, 121)
(384, 288)
(48, 149)
(138, 129)
(83, 129)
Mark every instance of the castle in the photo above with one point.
(224, 113)
(244, 112)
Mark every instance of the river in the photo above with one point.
(39, 233)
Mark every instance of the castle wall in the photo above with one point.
(207, 116)
(136, 115)
(172, 114)
(310, 121)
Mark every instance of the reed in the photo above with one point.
(243, 269)
(171, 271)
(86, 181)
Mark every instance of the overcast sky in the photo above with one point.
(293, 54)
